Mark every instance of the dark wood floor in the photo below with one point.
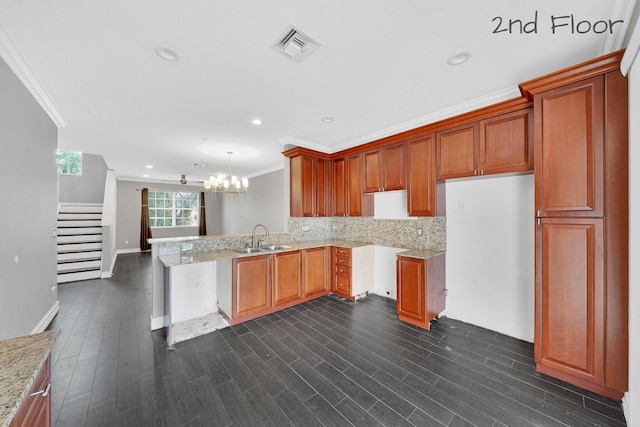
(327, 362)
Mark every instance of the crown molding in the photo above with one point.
(266, 171)
(456, 110)
(18, 64)
(633, 48)
(299, 142)
(614, 42)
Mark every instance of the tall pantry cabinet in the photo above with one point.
(581, 192)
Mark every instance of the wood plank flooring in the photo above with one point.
(327, 362)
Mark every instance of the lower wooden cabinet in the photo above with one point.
(262, 284)
(287, 284)
(251, 292)
(421, 293)
(315, 271)
(35, 410)
(570, 311)
(341, 260)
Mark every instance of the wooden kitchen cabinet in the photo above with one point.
(457, 151)
(287, 283)
(315, 271)
(384, 168)
(425, 195)
(499, 144)
(251, 291)
(348, 198)
(309, 184)
(341, 260)
(506, 143)
(569, 287)
(581, 202)
(35, 410)
(421, 293)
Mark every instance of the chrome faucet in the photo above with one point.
(253, 235)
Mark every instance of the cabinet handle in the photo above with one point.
(481, 171)
(538, 221)
(44, 392)
(475, 172)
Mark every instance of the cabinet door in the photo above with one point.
(354, 185)
(287, 286)
(422, 186)
(411, 288)
(308, 186)
(340, 187)
(321, 187)
(251, 284)
(569, 328)
(394, 169)
(569, 149)
(506, 143)
(373, 171)
(457, 152)
(315, 270)
(35, 410)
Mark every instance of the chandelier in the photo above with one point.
(227, 183)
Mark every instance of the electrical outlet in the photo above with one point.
(419, 231)
(52, 289)
(306, 228)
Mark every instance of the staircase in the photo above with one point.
(79, 242)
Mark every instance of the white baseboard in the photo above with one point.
(46, 320)
(106, 274)
(157, 323)
(127, 251)
(626, 409)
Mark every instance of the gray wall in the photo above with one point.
(88, 187)
(28, 216)
(128, 214)
(263, 204)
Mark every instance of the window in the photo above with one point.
(169, 209)
(69, 162)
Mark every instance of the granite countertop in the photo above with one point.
(420, 253)
(20, 361)
(196, 257)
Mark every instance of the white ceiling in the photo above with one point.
(381, 68)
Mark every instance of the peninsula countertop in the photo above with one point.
(216, 255)
(196, 257)
(20, 361)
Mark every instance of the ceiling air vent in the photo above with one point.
(295, 45)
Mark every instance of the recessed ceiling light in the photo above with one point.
(149, 167)
(146, 175)
(256, 122)
(167, 54)
(459, 58)
(327, 119)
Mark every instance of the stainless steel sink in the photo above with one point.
(249, 250)
(275, 247)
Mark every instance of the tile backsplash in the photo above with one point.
(397, 233)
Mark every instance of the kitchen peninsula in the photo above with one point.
(197, 277)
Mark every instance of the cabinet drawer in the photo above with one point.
(342, 284)
(344, 252)
(341, 260)
(342, 269)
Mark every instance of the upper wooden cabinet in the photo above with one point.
(425, 196)
(498, 144)
(457, 152)
(309, 187)
(570, 150)
(384, 169)
(348, 198)
(506, 143)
